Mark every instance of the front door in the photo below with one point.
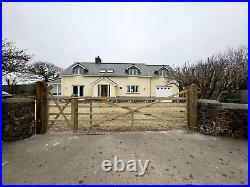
(104, 90)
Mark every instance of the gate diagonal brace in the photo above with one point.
(145, 106)
(60, 109)
(59, 114)
(127, 108)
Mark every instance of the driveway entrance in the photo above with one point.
(176, 157)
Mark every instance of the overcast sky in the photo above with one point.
(152, 33)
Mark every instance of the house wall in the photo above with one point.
(123, 82)
(146, 85)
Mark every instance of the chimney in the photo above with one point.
(98, 60)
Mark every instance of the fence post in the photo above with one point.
(41, 108)
(90, 113)
(74, 112)
(192, 107)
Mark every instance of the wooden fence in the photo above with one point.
(73, 111)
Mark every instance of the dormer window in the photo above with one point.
(133, 70)
(78, 69)
(162, 71)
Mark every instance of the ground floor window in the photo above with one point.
(56, 90)
(132, 89)
(78, 90)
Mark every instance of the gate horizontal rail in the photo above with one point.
(108, 113)
(81, 98)
(94, 106)
(152, 119)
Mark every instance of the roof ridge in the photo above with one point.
(157, 65)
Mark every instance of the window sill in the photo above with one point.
(132, 92)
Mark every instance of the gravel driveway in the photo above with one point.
(178, 156)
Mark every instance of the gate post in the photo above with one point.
(192, 107)
(41, 108)
(90, 114)
(74, 112)
(132, 120)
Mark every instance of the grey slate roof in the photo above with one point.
(119, 68)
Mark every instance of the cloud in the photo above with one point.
(154, 33)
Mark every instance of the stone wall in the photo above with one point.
(20, 89)
(18, 115)
(224, 119)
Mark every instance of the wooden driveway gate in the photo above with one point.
(115, 113)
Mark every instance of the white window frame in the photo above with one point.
(57, 89)
(162, 72)
(78, 90)
(79, 68)
(130, 90)
(133, 71)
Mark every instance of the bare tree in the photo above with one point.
(218, 76)
(13, 58)
(14, 62)
(11, 82)
(45, 70)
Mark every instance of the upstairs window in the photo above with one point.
(78, 70)
(133, 71)
(132, 89)
(162, 72)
